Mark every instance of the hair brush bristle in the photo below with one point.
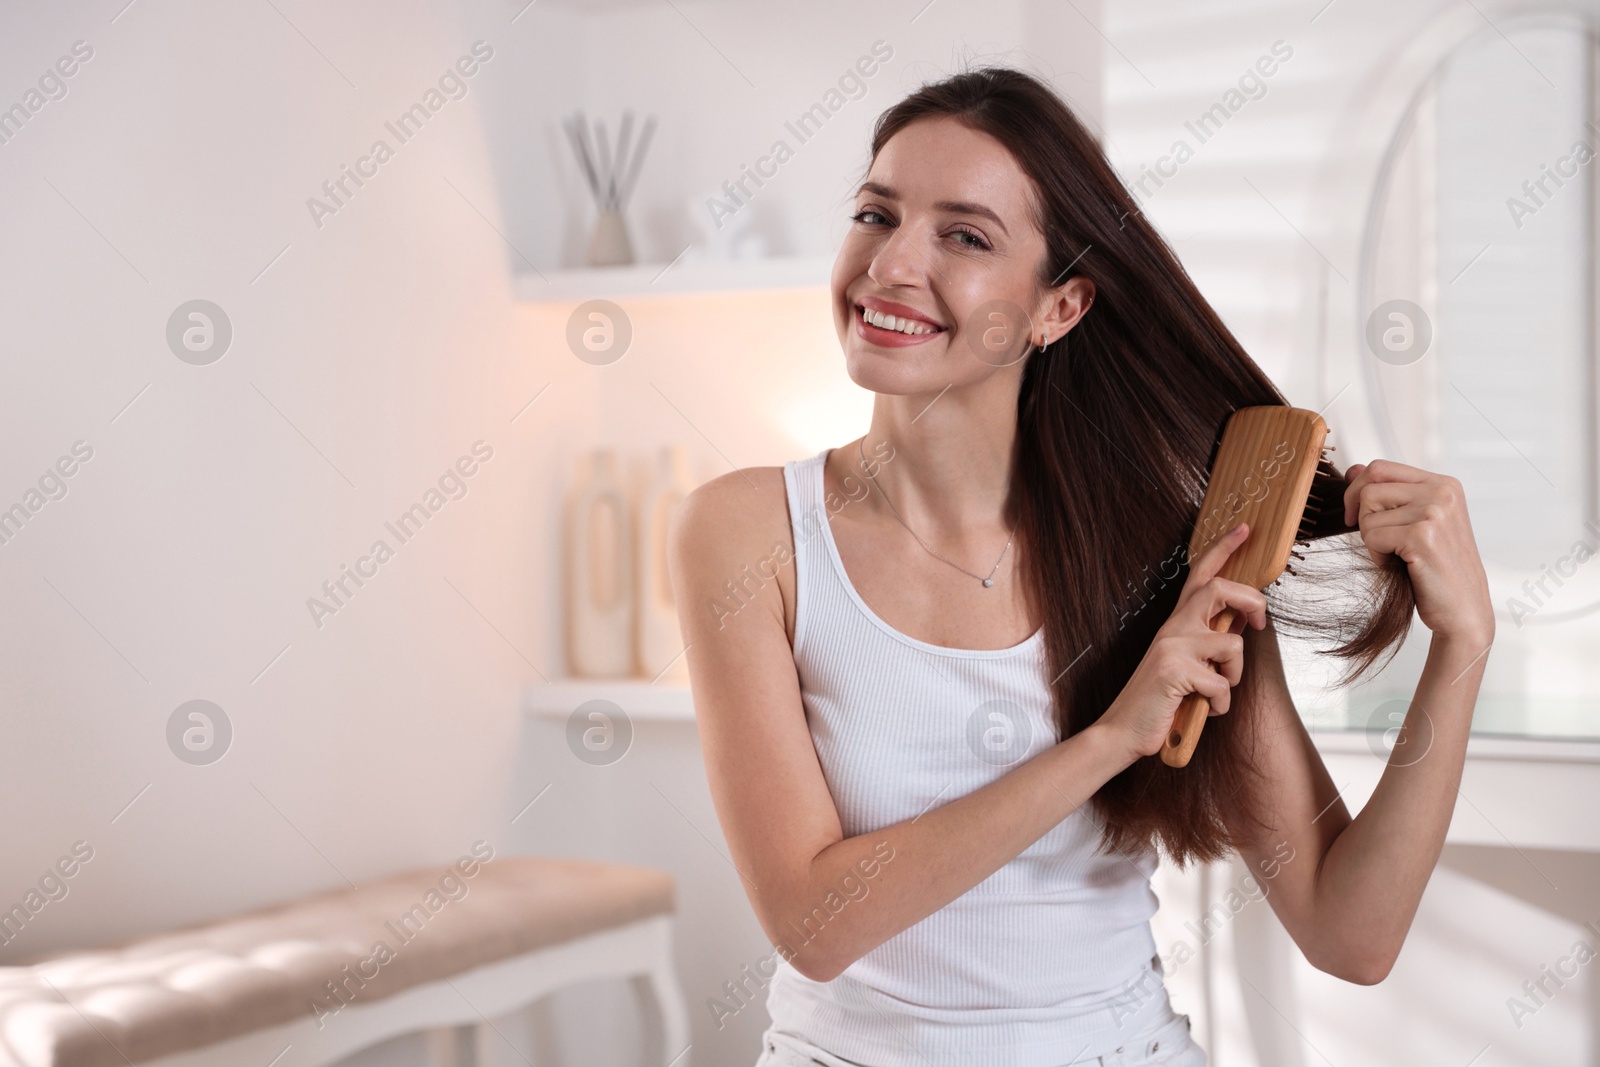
(1324, 514)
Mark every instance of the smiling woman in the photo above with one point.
(951, 667)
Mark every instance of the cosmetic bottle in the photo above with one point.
(599, 573)
(658, 643)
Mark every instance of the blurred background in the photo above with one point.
(231, 368)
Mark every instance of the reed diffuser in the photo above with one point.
(611, 172)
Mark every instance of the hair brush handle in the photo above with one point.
(1192, 712)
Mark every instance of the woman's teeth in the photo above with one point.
(898, 325)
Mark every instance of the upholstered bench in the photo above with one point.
(303, 984)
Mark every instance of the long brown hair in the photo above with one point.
(1114, 441)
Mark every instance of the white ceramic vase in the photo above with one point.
(609, 245)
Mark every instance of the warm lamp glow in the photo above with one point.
(827, 416)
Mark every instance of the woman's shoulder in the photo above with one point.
(724, 528)
(731, 515)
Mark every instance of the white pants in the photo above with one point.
(1167, 1045)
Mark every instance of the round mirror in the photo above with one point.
(1478, 303)
(1479, 288)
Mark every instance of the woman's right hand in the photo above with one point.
(1186, 656)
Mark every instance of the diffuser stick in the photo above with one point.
(606, 174)
(614, 189)
(580, 148)
(637, 161)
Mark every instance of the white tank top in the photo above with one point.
(1048, 960)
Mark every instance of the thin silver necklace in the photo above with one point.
(987, 582)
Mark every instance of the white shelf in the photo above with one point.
(661, 702)
(658, 279)
(1479, 747)
(664, 702)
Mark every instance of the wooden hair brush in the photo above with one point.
(1263, 476)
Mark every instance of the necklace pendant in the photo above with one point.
(987, 582)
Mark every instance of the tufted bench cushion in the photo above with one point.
(156, 996)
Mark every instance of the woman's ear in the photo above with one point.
(1065, 305)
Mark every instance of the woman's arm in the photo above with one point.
(776, 812)
(1351, 890)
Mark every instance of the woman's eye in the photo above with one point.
(869, 217)
(969, 239)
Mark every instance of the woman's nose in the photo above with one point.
(898, 261)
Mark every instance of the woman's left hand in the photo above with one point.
(1421, 517)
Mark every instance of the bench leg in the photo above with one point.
(666, 1019)
(453, 1046)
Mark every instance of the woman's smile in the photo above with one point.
(891, 325)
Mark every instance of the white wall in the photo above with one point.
(364, 361)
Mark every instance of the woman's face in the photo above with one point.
(945, 241)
